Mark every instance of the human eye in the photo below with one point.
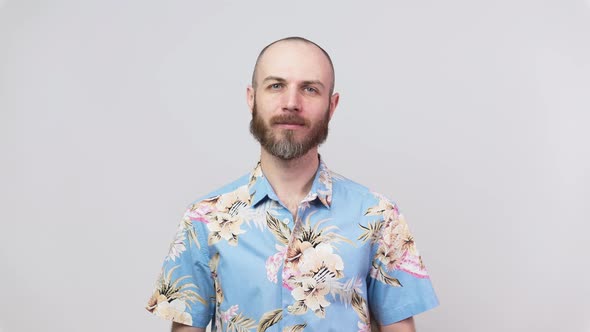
(311, 90)
(275, 86)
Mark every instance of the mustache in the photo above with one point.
(288, 119)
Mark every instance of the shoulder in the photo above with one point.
(240, 183)
(343, 185)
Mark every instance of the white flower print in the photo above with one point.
(319, 267)
(177, 247)
(225, 226)
(174, 310)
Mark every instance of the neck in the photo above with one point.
(290, 179)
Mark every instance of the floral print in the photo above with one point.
(241, 257)
(274, 262)
(225, 226)
(173, 310)
(222, 215)
(170, 299)
(396, 247)
(318, 267)
(184, 233)
(177, 246)
(236, 321)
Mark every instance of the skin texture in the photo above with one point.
(294, 79)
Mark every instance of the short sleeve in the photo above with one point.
(398, 283)
(184, 291)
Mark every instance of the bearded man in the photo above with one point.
(292, 246)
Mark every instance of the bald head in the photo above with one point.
(306, 49)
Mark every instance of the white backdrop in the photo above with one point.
(472, 115)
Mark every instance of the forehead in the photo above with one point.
(294, 60)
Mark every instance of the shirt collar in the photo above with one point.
(321, 188)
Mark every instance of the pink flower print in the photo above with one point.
(199, 213)
(273, 263)
(229, 313)
(286, 275)
(413, 265)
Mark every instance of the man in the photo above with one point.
(292, 246)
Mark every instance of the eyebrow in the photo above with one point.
(313, 82)
(282, 80)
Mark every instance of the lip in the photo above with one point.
(289, 125)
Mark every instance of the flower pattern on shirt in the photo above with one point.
(396, 248)
(315, 260)
(184, 233)
(295, 328)
(318, 268)
(274, 262)
(310, 266)
(171, 298)
(222, 215)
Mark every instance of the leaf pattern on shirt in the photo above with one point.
(295, 328)
(224, 215)
(213, 264)
(171, 297)
(240, 323)
(345, 291)
(360, 307)
(396, 249)
(371, 232)
(384, 208)
(316, 235)
(185, 232)
(377, 272)
(269, 319)
(350, 293)
(312, 268)
(281, 231)
(255, 174)
(307, 255)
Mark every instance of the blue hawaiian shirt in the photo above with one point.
(242, 261)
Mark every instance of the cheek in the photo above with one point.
(318, 110)
(267, 103)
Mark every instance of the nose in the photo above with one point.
(292, 100)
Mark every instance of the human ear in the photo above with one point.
(250, 97)
(333, 103)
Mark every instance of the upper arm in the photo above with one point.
(177, 327)
(406, 325)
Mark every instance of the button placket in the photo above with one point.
(286, 297)
(296, 227)
(295, 224)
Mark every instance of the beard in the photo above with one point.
(288, 147)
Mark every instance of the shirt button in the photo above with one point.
(286, 221)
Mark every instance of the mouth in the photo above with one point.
(289, 125)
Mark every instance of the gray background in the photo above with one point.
(472, 115)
